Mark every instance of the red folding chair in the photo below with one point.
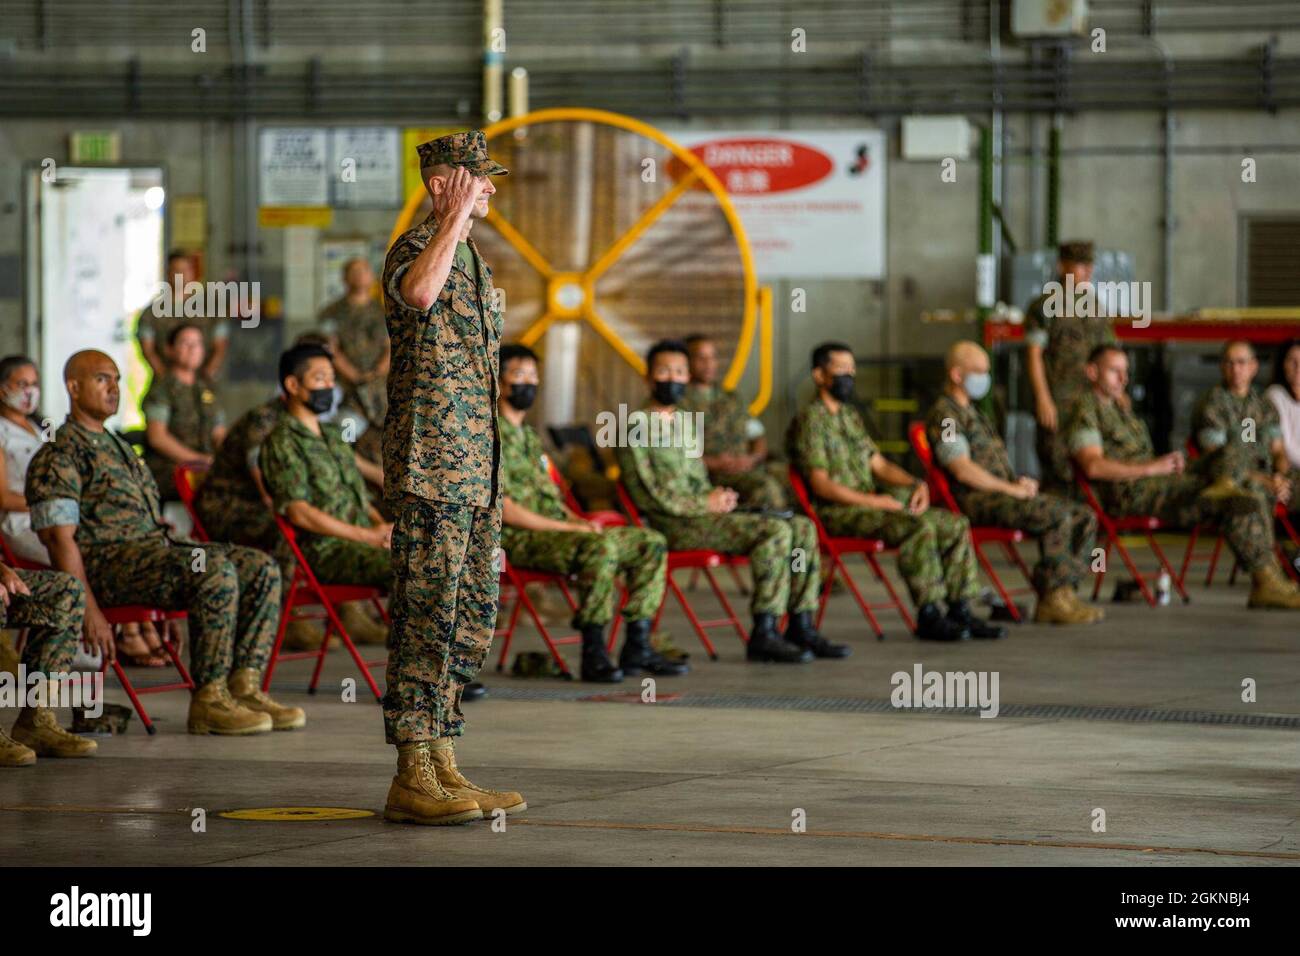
(835, 548)
(980, 534)
(305, 590)
(127, 614)
(1113, 528)
(702, 559)
(187, 476)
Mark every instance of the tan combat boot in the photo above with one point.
(454, 782)
(1093, 612)
(362, 628)
(1271, 589)
(14, 754)
(214, 711)
(416, 796)
(1220, 488)
(37, 728)
(303, 634)
(1060, 606)
(246, 687)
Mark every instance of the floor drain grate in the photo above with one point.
(849, 705)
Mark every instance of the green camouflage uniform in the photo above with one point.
(189, 412)
(228, 502)
(638, 554)
(727, 425)
(155, 328)
(52, 613)
(321, 470)
(1066, 530)
(442, 462)
(94, 481)
(1243, 518)
(1220, 422)
(362, 338)
(1066, 341)
(934, 549)
(671, 489)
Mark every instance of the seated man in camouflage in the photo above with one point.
(1239, 433)
(96, 508)
(735, 448)
(1113, 449)
(358, 336)
(314, 482)
(967, 446)
(669, 485)
(828, 443)
(540, 533)
(50, 604)
(183, 422)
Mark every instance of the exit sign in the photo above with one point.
(95, 148)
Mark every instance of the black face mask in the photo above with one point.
(522, 396)
(669, 393)
(320, 400)
(842, 388)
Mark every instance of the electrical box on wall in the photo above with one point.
(936, 137)
(1049, 18)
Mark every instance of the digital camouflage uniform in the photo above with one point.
(52, 613)
(155, 328)
(934, 549)
(321, 470)
(639, 555)
(1066, 341)
(1222, 423)
(94, 480)
(362, 337)
(727, 430)
(1066, 530)
(190, 412)
(671, 489)
(228, 502)
(442, 460)
(1243, 518)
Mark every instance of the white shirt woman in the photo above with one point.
(20, 440)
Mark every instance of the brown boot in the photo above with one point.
(362, 628)
(1056, 607)
(8, 656)
(246, 687)
(303, 634)
(449, 775)
(37, 728)
(1094, 613)
(214, 711)
(416, 796)
(1271, 589)
(14, 754)
(1220, 488)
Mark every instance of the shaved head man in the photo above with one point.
(967, 446)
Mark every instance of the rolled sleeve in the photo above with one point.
(946, 452)
(156, 411)
(1036, 337)
(1084, 437)
(1210, 438)
(54, 512)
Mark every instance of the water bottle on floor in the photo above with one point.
(1164, 584)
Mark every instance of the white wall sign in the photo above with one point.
(293, 166)
(812, 203)
(365, 166)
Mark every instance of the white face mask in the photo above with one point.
(977, 384)
(24, 400)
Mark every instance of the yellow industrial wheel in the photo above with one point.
(605, 223)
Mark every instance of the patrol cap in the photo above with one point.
(468, 149)
(1076, 250)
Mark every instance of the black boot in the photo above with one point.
(931, 625)
(472, 691)
(959, 612)
(801, 632)
(637, 654)
(597, 668)
(765, 644)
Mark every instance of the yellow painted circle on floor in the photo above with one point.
(296, 814)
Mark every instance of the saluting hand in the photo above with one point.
(459, 192)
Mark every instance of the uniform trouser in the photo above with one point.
(762, 487)
(230, 593)
(638, 554)
(247, 523)
(1066, 532)
(934, 550)
(783, 556)
(52, 613)
(443, 607)
(1056, 472)
(1244, 519)
(336, 561)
